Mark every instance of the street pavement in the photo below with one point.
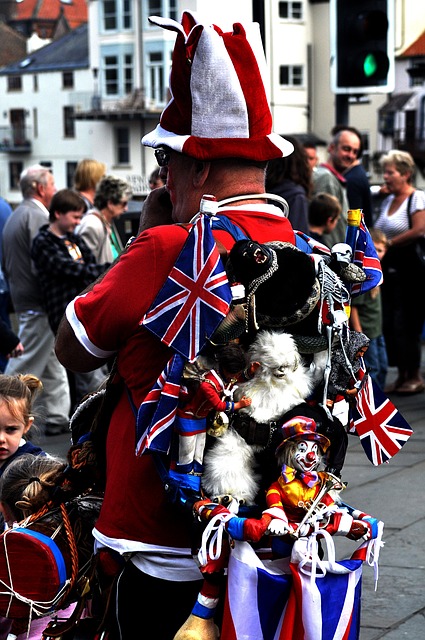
(390, 492)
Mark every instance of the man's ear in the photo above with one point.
(201, 172)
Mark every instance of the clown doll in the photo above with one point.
(301, 500)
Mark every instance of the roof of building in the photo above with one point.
(69, 52)
(13, 45)
(396, 102)
(75, 11)
(417, 48)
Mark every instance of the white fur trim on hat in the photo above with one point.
(219, 106)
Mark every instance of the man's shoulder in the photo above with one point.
(169, 234)
(90, 220)
(25, 213)
(44, 231)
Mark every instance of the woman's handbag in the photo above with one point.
(419, 244)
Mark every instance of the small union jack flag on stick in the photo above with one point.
(365, 256)
(380, 426)
(193, 301)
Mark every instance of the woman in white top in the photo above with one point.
(402, 219)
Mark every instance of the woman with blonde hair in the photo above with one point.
(402, 219)
(86, 176)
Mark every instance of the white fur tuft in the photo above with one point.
(229, 469)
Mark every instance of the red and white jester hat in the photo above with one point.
(219, 106)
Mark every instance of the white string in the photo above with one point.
(212, 538)
(373, 550)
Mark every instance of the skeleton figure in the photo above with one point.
(341, 263)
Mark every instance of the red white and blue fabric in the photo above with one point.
(380, 426)
(313, 246)
(227, 75)
(157, 412)
(274, 602)
(193, 301)
(195, 297)
(365, 256)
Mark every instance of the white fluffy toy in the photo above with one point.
(280, 382)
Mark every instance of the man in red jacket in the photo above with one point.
(214, 137)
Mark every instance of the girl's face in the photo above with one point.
(11, 431)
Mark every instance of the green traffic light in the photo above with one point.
(370, 65)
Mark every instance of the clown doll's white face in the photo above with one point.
(306, 456)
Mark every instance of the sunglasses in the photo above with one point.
(162, 157)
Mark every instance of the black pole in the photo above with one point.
(258, 16)
(341, 109)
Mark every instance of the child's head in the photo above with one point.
(324, 211)
(27, 485)
(16, 400)
(380, 241)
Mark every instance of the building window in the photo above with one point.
(291, 75)
(70, 172)
(164, 8)
(111, 75)
(35, 83)
(118, 74)
(117, 14)
(110, 15)
(156, 76)
(291, 10)
(128, 73)
(68, 122)
(68, 80)
(14, 83)
(173, 9)
(122, 137)
(127, 22)
(15, 170)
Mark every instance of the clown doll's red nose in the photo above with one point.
(311, 456)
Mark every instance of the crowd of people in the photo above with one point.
(56, 244)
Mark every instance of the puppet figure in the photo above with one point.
(213, 393)
(279, 383)
(345, 364)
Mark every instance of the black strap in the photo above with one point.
(409, 205)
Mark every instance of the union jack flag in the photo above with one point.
(278, 605)
(195, 297)
(365, 256)
(380, 426)
(157, 412)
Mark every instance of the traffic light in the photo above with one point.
(362, 46)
